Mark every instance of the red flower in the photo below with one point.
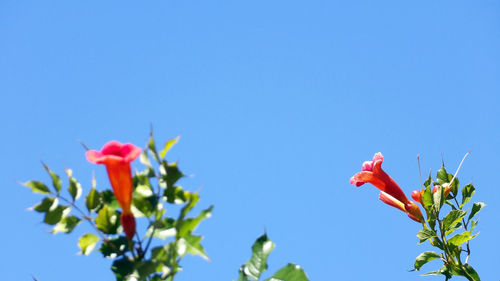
(391, 193)
(117, 157)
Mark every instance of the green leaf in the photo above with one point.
(424, 258)
(108, 220)
(152, 147)
(142, 185)
(425, 234)
(168, 145)
(47, 204)
(193, 199)
(37, 186)
(471, 272)
(444, 270)
(453, 217)
(442, 176)
(74, 188)
(176, 195)
(54, 216)
(87, 243)
(438, 198)
(473, 225)
(93, 200)
(290, 272)
(114, 247)
(122, 268)
(476, 207)
(191, 244)
(467, 192)
(429, 181)
(458, 239)
(257, 264)
(56, 181)
(190, 224)
(427, 199)
(170, 173)
(66, 225)
(162, 228)
(143, 207)
(108, 198)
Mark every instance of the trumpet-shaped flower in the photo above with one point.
(117, 157)
(391, 193)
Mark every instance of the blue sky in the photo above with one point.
(278, 104)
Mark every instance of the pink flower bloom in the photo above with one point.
(117, 157)
(391, 193)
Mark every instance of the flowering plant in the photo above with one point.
(143, 195)
(437, 228)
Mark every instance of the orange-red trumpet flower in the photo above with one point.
(117, 157)
(391, 193)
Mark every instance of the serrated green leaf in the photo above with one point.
(458, 239)
(471, 272)
(467, 192)
(144, 207)
(48, 203)
(191, 244)
(108, 198)
(37, 187)
(122, 268)
(56, 180)
(93, 200)
(170, 173)
(290, 272)
(425, 234)
(142, 185)
(108, 220)
(162, 228)
(74, 188)
(176, 195)
(257, 264)
(114, 247)
(190, 224)
(476, 207)
(87, 243)
(442, 176)
(424, 258)
(453, 217)
(54, 216)
(168, 145)
(66, 225)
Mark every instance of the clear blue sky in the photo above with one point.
(278, 104)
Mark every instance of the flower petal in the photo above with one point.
(130, 152)
(112, 148)
(95, 156)
(378, 157)
(367, 166)
(391, 201)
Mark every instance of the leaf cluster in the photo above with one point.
(155, 188)
(257, 264)
(449, 225)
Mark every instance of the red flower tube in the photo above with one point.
(391, 193)
(117, 157)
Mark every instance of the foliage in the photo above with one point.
(257, 264)
(155, 188)
(449, 226)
